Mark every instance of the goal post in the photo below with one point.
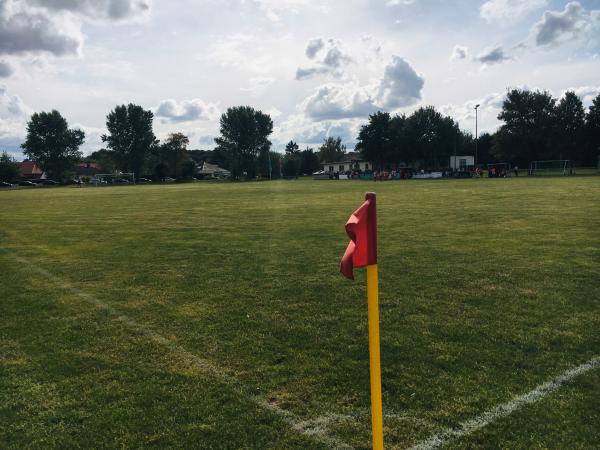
(559, 167)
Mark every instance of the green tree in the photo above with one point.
(309, 161)
(529, 128)
(51, 144)
(592, 133)
(105, 158)
(130, 136)
(292, 160)
(570, 123)
(332, 150)
(9, 170)
(244, 137)
(174, 152)
(188, 169)
(431, 136)
(375, 140)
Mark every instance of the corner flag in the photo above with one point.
(361, 252)
(362, 230)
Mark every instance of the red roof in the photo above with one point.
(29, 168)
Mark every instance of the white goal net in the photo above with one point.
(553, 167)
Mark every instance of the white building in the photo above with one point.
(461, 162)
(351, 162)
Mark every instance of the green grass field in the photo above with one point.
(213, 315)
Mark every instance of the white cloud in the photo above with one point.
(459, 52)
(329, 57)
(306, 132)
(14, 114)
(111, 10)
(492, 55)
(587, 94)
(508, 10)
(399, 87)
(559, 26)
(54, 26)
(187, 110)
(489, 107)
(6, 69)
(257, 85)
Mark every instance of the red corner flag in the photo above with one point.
(362, 229)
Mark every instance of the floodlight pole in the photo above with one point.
(476, 133)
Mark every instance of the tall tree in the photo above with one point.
(310, 161)
(375, 140)
(292, 160)
(51, 144)
(570, 123)
(528, 129)
(431, 136)
(9, 170)
(130, 136)
(292, 148)
(332, 150)
(174, 152)
(592, 134)
(244, 136)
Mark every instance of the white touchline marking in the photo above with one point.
(305, 427)
(505, 409)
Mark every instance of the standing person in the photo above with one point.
(516, 169)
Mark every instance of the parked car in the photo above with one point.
(49, 182)
(26, 183)
(144, 180)
(121, 181)
(168, 180)
(5, 184)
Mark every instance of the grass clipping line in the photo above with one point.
(505, 409)
(305, 427)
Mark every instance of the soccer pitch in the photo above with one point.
(214, 316)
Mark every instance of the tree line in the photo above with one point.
(535, 127)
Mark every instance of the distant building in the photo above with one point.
(212, 171)
(30, 169)
(87, 169)
(352, 161)
(461, 162)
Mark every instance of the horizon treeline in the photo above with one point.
(535, 126)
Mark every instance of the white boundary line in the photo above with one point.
(304, 427)
(505, 409)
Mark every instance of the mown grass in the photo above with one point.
(488, 288)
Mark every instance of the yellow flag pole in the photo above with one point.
(374, 357)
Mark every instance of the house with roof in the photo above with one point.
(212, 171)
(352, 161)
(87, 169)
(30, 170)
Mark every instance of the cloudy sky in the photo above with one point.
(317, 67)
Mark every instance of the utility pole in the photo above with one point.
(476, 135)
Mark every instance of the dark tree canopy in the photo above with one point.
(332, 150)
(309, 161)
(528, 129)
(376, 142)
(292, 148)
(174, 153)
(9, 170)
(570, 124)
(130, 136)
(51, 144)
(244, 137)
(592, 133)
